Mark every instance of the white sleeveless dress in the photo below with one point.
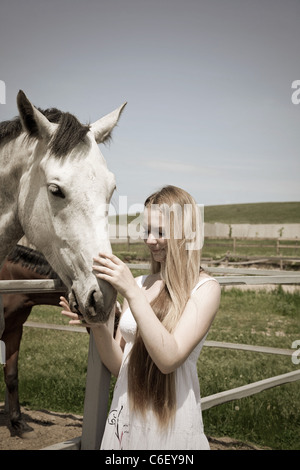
(128, 430)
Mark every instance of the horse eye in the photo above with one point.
(56, 191)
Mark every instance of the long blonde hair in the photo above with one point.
(148, 387)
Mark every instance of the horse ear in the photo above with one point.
(33, 121)
(103, 127)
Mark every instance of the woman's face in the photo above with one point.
(154, 233)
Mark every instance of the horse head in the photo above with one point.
(63, 201)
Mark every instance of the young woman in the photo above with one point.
(165, 319)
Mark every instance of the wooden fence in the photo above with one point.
(234, 243)
(98, 377)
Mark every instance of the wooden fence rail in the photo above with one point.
(214, 344)
(247, 390)
(233, 243)
(51, 285)
(98, 377)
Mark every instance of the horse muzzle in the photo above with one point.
(95, 305)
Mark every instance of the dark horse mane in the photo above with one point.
(68, 135)
(31, 259)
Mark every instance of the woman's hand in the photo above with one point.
(111, 269)
(68, 313)
(109, 349)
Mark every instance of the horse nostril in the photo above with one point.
(91, 303)
(73, 294)
(75, 303)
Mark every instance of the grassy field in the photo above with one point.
(53, 367)
(217, 249)
(256, 213)
(272, 417)
(253, 213)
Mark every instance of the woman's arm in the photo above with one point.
(170, 350)
(110, 349)
(167, 350)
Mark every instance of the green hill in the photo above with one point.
(255, 213)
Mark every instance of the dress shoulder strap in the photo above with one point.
(203, 281)
(141, 279)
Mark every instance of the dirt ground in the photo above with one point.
(52, 428)
(49, 428)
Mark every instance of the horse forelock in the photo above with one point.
(31, 259)
(69, 134)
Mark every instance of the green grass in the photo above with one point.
(52, 370)
(270, 418)
(52, 364)
(52, 367)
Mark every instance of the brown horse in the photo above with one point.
(21, 263)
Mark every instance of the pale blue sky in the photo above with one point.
(208, 86)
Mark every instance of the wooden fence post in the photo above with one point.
(96, 397)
